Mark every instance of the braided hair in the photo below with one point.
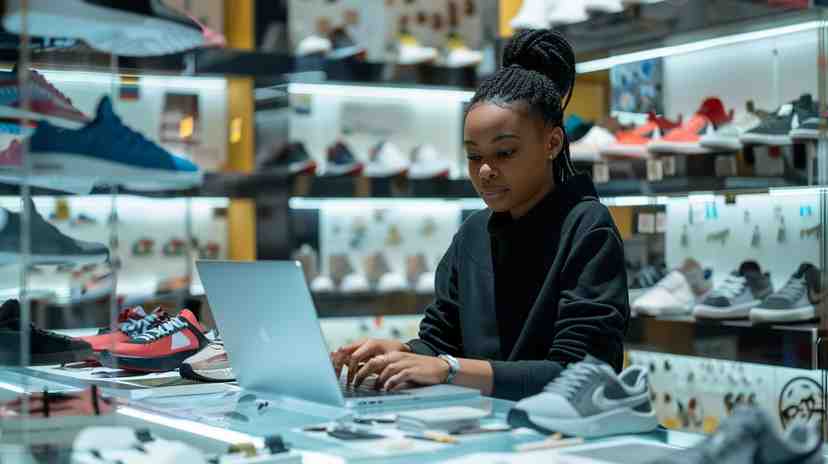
(538, 69)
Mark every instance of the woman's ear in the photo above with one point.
(553, 141)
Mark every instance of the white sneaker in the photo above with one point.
(426, 163)
(322, 284)
(588, 149)
(727, 136)
(566, 12)
(463, 57)
(355, 283)
(532, 15)
(386, 161)
(589, 400)
(677, 293)
(392, 282)
(314, 45)
(425, 283)
(604, 6)
(410, 52)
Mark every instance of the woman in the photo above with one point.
(537, 280)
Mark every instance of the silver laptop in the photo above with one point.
(271, 332)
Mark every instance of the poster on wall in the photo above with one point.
(637, 87)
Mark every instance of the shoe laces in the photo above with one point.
(731, 287)
(170, 327)
(793, 289)
(137, 326)
(572, 379)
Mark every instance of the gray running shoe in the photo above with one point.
(737, 295)
(777, 128)
(749, 437)
(589, 400)
(795, 301)
(48, 244)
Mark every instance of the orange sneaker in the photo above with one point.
(686, 139)
(633, 143)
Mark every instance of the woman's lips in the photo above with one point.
(494, 193)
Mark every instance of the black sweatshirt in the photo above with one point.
(534, 294)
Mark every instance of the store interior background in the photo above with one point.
(239, 121)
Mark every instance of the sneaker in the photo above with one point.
(633, 143)
(642, 280)
(355, 283)
(589, 400)
(686, 140)
(131, 323)
(560, 12)
(208, 365)
(46, 347)
(742, 290)
(134, 28)
(426, 163)
(45, 101)
(322, 284)
(776, 129)
(727, 137)
(677, 293)
(314, 45)
(532, 15)
(341, 161)
(410, 52)
(293, 157)
(425, 283)
(392, 282)
(588, 149)
(107, 149)
(160, 349)
(459, 55)
(386, 160)
(48, 244)
(751, 436)
(343, 46)
(795, 302)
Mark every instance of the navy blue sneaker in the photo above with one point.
(341, 161)
(111, 153)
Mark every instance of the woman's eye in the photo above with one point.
(505, 153)
(475, 158)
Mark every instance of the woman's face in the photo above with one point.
(508, 151)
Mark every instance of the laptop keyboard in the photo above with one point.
(365, 389)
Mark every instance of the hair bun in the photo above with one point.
(544, 51)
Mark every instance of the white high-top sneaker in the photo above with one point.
(566, 12)
(532, 15)
(604, 6)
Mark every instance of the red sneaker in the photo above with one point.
(633, 143)
(131, 322)
(160, 349)
(686, 139)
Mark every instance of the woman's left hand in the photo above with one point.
(398, 370)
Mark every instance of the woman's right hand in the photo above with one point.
(362, 351)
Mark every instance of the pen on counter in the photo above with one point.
(433, 436)
(549, 443)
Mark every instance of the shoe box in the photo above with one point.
(696, 394)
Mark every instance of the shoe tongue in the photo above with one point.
(10, 314)
(134, 313)
(748, 267)
(105, 110)
(803, 270)
(190, 317)
(806, 101)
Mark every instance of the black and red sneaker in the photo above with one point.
(160, 349)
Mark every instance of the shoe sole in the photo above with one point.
(807, 134)
(805, 313)
(656, 312)
(766, 139)
(721, 144)
(425, 174)
(61, 357)
(140, 364)
(186, 371)
(347, 170)
(625, 151)
(106, 29)
(616, 422)
(97, 170)
(740, 311)
(385, 172)
(681, 148)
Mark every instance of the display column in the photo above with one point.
(239, 29)
(822, 183)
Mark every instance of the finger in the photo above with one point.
(351, 347)
(399, 380)
(376, 364)
(390, 370)
(336, 360)
(362, 354)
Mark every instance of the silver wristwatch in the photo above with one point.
(454, 366)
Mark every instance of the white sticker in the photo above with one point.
(646, 223)
(600, 173)
(655, 170)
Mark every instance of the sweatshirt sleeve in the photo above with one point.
(593, 312)
(440, 328)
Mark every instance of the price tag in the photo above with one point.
(655, 170)
(600, 173)
(661, 223)
(669, 166)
